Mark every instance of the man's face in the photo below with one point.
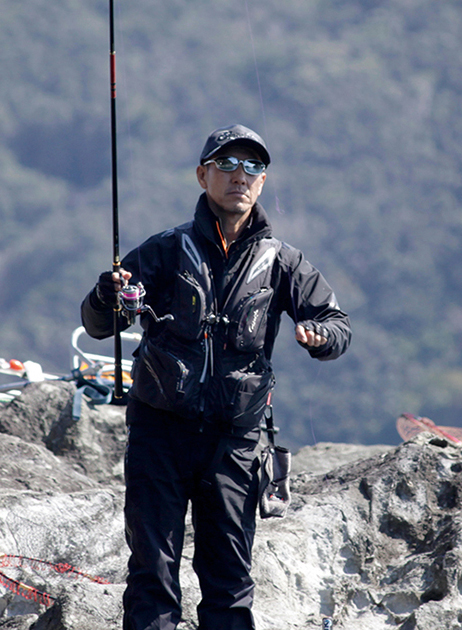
(231, 192)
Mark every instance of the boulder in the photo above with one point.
(27, 466)
(374, 544)
(94, 445)
(372, 537)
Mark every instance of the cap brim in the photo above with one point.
(246, 142)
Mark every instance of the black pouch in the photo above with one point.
(242, 395)
(274, 491)
(164, 381)
(247, 334)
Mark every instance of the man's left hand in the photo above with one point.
(311, 334)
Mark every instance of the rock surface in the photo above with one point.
(372, 538)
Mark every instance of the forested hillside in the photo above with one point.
(361, 104)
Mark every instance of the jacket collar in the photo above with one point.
(206, 223)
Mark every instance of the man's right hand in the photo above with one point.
(120, 279)
(109, 284)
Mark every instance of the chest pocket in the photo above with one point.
(248, 328)
(189, 307)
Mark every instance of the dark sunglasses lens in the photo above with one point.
(253, 167)
(227, 164)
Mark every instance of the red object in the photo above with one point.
(409, 426)
(16, 365)
(30, 592)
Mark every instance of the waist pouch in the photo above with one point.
(240, 396)
(164, 381)
(235, 396)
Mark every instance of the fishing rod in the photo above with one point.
(118, 386)
(130, 297)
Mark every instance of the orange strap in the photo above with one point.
(223, 241)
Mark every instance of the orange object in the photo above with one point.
(16, 365)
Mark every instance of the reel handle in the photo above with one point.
(131, 298)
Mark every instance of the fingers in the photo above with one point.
(309, 337)
(116, 278)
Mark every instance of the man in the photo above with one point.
(201, 382)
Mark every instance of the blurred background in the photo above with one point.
(360, 102)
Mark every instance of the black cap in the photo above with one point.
(234, 135)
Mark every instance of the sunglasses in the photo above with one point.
(229, 164)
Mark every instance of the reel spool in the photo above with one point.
(131, 298)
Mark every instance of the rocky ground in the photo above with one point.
(372, 537)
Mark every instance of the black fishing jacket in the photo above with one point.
(213, 361)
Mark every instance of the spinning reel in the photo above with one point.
(131, 299)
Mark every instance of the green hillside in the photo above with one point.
(361, 103)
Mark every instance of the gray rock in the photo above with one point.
(26, 466)
(89, 607)
(372, 537)
(326, 456)
(94, 445)
(24, 622)
(374, 544)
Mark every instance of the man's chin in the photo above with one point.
(238, 208)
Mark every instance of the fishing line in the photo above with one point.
(316, 378)
(260, 91)
(310, 407)
(278, 208)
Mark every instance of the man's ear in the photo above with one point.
(263, 177)
(201, 172)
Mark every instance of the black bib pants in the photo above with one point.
(170, 462)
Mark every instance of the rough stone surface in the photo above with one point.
(26, 466)
(325, 456)
(94, 445)
(372, 538)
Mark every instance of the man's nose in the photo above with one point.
(239, 174)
